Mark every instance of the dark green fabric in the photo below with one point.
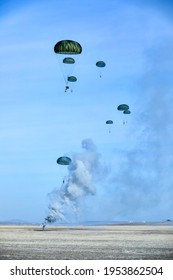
(64, 160)
(72, 79)
(100, 63)
(68, 60)
(109, 122)
(123, 107)
(67, 47)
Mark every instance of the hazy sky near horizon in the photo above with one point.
(40, 122)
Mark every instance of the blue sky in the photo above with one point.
(40, 122)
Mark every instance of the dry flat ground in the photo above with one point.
(109, 242)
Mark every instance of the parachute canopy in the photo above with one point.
(126, 112)
(67, 47)
(123, 107)
(69, 60)
(100, 64)
(72, 79)
(109, 122)
(64, 160)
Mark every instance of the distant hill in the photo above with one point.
(17, 222)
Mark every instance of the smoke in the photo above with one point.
(85, 169)
(139, 182)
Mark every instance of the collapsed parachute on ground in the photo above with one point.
(64, 160)
(123, 107)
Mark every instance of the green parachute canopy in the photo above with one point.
(100, 64)
(68, 60)
(64, 160)
(109, 122)
(126, 112)
(122, 107)
(67, 47)
(72, 79)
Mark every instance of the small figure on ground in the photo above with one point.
(43, 226)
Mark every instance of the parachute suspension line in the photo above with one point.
(67, 48)
(71, 73)
(62, 70)
(72, 68)
(71, 84)
(76, 60)
(65, 77)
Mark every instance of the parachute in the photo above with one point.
(72, 79)
(125, 109)
(127, 112)
(64, 160)
(65, 50)
(67, 47)
(68, 60)
(109, 122)
(100, 64)
(122, 107)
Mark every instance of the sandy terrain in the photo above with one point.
(131, 241)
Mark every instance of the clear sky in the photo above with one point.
(39, 122)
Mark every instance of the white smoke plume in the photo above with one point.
(140, 182)
(140, 187)
(84, 170)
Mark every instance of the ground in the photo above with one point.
(143, 241)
